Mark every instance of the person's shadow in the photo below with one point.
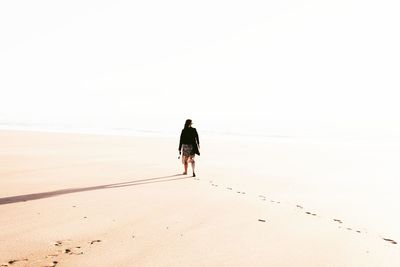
(35, 196)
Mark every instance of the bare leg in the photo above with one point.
(193, 165)
(185, 164)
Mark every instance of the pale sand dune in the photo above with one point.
(85, 200)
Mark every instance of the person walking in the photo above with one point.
(189, 145)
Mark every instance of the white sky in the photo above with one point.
(228, 65)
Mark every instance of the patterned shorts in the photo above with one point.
(187, 151)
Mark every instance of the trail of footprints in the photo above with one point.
(51, 259)
(264, 198)
(77, 250)
(64, 248)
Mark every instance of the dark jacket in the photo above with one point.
(189, 136)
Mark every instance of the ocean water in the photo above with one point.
(235, 133)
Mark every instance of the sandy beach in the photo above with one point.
(96, 200)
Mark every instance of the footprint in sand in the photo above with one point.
(300, 207)
(11, 262)
(229, 188)
(59, 243)
(52, 264)
(95, 241)
(73, 251)
(309, 213)
(390, 240)
(261, 220)
(337, 220)
(263, 198)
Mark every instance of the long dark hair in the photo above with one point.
(188, 123)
